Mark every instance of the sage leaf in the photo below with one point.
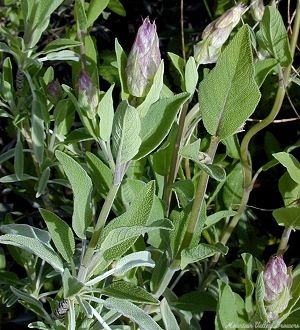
(228, 95)
(61, 234)
(35, 246)
(82, 189)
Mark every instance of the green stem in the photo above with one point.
(245, 159)
(199, 196)
(174, 160)
(97, 231)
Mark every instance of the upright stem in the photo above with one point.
(182, 30)
(199, 196)
(174, 160)
(97, 231)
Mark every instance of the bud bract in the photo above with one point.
(87, 93)
(143, 59)
(215, 35)
(277, 282)
(54, 91)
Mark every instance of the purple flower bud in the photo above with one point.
(143, 59)
(54, 91)
(215, 35)
(277, 282)
(87, 94)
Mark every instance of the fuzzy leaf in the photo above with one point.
(168, 317)
(290, 163)
(200, 252)
(288, 217)
(61, 234)
(272, 36)
(125, 133)
(35, 246)
(132, 312)
(157, 123)
(228, 95)
(137, 215)
(129, 291)
(106, 113)
(82, 189)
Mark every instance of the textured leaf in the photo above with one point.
(70, 284)
(82, 189)
(125, 133)
(129, 291)
(133, 312)
(289, 190)
(35, 246)
(95, 9)
(101, 174)
(31, 303)
(191, 75)
(137, 215)
(42, 183)
(233, 188)
(290, 163)
(263, 68)
(80, 15)
(158, 121)
(26, 230)
(192, 151)
(200, 252)
(106, 114)
(60, 44)
(122, 61)
(168, 317)
(272, 36)
(216, 217)
(37, 130)
(228, 95)
(133, 260)
(61, 234)
(117, 7)
(154, 92)
(123, 234)
(19, 159)
(227, 310)
(288, 217)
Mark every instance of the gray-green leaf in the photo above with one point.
(35, 246)
(272, 36)
(82, 188)
(61, 234)
(228, 95)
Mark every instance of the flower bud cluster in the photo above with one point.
(277, 282)
(215, 35)
(143, 59)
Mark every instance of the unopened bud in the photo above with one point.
(215, 35)
(277, 282)
(257, 9)
(87, 93)
(143, 59)
(54, 91)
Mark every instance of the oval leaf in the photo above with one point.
(82, 188)
(228, 95)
